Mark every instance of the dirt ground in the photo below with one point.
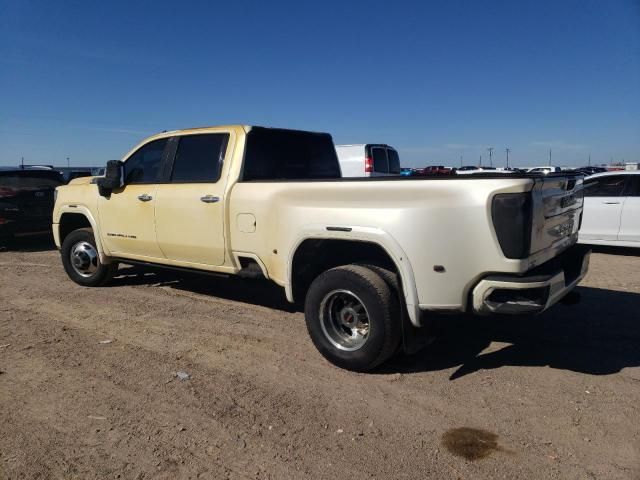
(556, 396)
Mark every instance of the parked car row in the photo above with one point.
(612, 205)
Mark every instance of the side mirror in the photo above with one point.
(113, 177)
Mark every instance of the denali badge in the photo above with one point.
(562, 230)
(568, 201)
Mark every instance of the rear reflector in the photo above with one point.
(368, 165)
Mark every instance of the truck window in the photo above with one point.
(394, 161)
(380, 162)
(199, 158)
(144, 165)
(604, 187)
(277, 154)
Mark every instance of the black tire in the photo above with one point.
(384, 330)
(99, 273)
(389, 277)
(6, 241)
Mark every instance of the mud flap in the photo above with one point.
(415, 338)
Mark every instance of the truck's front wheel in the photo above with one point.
(353, 317)
(81, 260)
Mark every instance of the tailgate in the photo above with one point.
(557, 213)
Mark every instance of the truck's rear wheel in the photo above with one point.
(81, 260)
(353, 317)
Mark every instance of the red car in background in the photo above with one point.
(434, 170)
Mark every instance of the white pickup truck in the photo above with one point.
(371, 259)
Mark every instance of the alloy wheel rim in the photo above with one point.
(84, 259)
(344, 320)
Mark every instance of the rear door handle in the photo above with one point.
(145, 197)
(209, 199)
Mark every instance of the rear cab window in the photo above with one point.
(278, 154)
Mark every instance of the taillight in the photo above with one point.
(7, 192)
(512, 218)
(368, 165)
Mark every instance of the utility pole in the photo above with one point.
(22, 163)
(460, 160)
(549, 157)
(480, 165)
(68, 162)
(589, 159)
(490, 156)
(507, 150)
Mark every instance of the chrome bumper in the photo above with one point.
(531, 293)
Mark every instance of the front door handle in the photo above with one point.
(611, 203)
(145, 197)
(209, 199)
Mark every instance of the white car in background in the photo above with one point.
(546, 169)
(469, 170)
(612, 209)
(368, 160)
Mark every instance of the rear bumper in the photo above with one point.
(534, 291)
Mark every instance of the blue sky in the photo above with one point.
(438, 80)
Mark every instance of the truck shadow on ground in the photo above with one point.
(598, 336)
(252, 291)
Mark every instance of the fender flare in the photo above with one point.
(82, 210)
(364, 234)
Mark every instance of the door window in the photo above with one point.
(199, 158)
(633, 186)
(610, 186)
(144, 165)
(380, 162)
